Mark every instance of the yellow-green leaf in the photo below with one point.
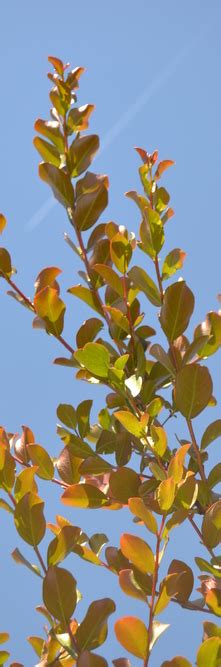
(166, 493)
(177, 308)
(84, 495)
(92, 631)
(138, 507)
(209, 652)
(81, 153)
(29, 518)
(95, 358)
(40, 457)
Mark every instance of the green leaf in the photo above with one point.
(121, 252)
(211, 630)
(91, 200)
(138, 507)
(60, 183)
(83, 417)
(177, 308)
(212, 432)
(118, 318)
(92, 631)
(173, 261)
(67, 415)
(124, 483)
(213, 601)
(166, 493)
(131, 423)
(81, 153)
(132, 635)
(204, 566)
(40, 457)
(84, 495)
(21, 560)
(138, 552)
(87, 296)
(63, 544)
(193, 390)
(29, 519)
(141, 280)
(95, 358)
(209, 652)
(110, 276)
(47, 151)
(59, 593)
(7, 474)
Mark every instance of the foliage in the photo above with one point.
(125, 459)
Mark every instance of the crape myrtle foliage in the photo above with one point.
(125, 459)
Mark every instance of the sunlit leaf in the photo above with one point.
(177, 308)
(60, 183)
(92, 631)
(95, 358)
(132, 635)
(40, 457)
(84, 495)
(138, 552)
(29, 518)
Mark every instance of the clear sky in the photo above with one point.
(153, 71)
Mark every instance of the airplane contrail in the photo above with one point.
(108, 138)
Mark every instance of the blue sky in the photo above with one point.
(153, 72)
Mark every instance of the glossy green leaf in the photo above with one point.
(132, 635)
(141, 280)
(95, 358)
(193, 390)
(176, 311)
(29, 518)
(40, 457)
(138, 552)
(84, 495)
(60, 183)
(59, 593)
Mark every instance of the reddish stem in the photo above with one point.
(153, 594)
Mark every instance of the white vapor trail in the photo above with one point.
(109, 137)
